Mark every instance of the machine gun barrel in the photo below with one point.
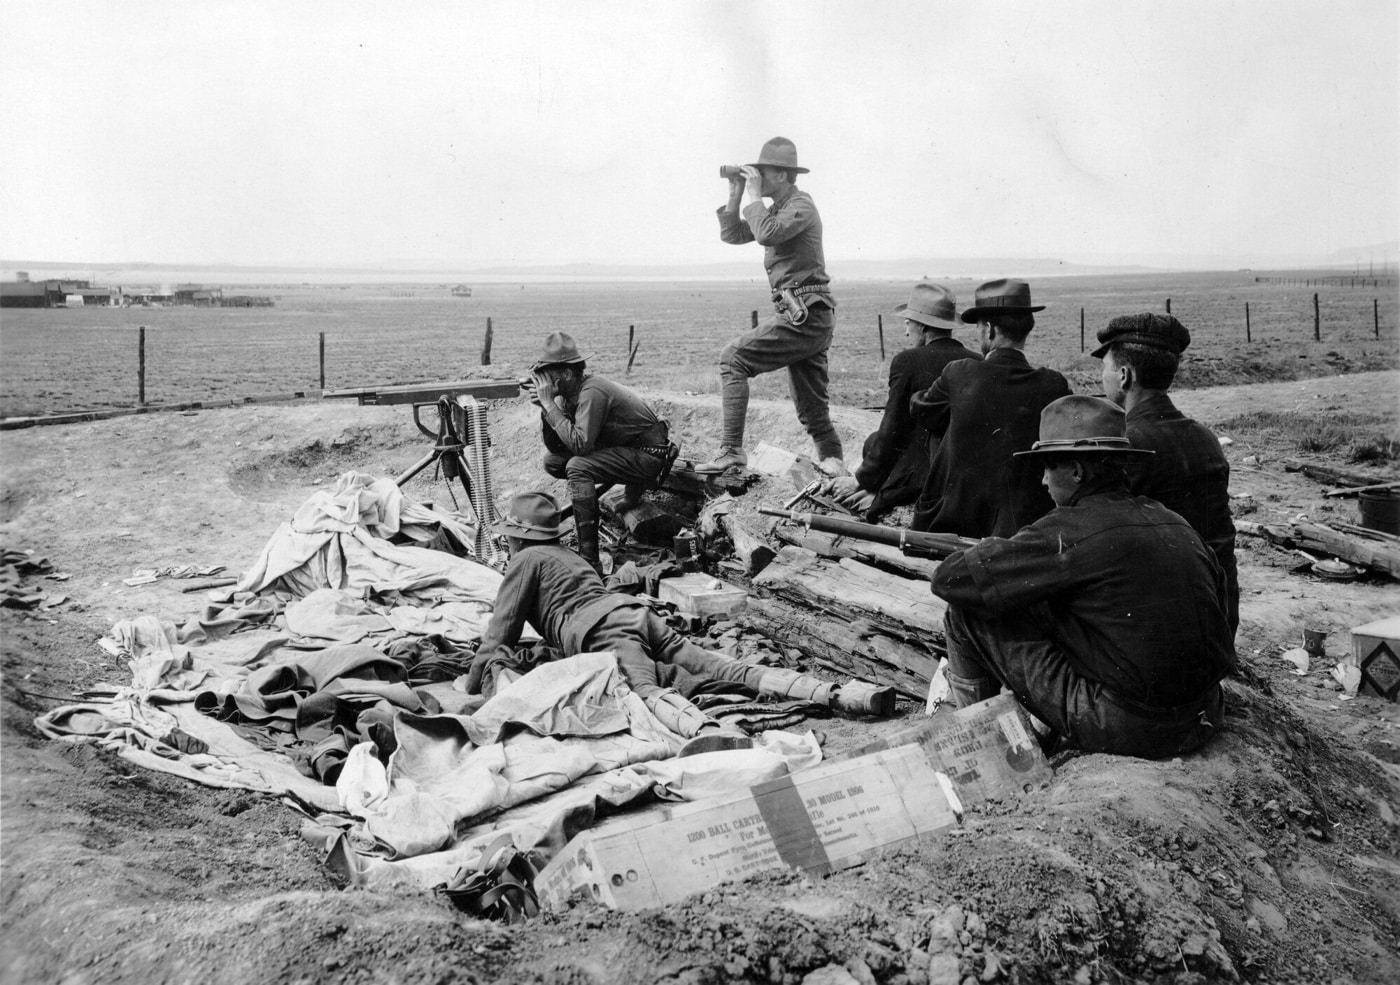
(914, 543)
(428, 393)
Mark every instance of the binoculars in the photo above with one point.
(727, 171)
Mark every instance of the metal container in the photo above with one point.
(683, 544)
(1380, 510)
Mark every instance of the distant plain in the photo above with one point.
(54, 360)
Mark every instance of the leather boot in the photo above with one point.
(585, 503)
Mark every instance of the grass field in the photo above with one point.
(66, 359)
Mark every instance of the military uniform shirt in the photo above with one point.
(790, 232)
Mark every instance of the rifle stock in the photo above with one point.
(912, 543)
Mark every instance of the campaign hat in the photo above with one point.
(1079, 425)
(932, 305)
(530, 516)
(1006, 294)
(779, 153)
(1149, 328)
(559, 349)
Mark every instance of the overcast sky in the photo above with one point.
(235, 131)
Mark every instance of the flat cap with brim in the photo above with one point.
(1149, 328)
(1007, 294)
(559, 349)
(530, 516)
(932, 305)
(1080, 425)
(778, 153)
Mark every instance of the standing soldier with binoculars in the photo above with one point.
(798, 334)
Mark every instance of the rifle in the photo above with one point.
(911, 543)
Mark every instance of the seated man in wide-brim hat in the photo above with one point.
(561, 596)
(1106, 617)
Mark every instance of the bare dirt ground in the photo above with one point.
(1272, 856)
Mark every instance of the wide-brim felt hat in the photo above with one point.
(778, 153)
(559, 349)
(1149, 328)
(530, 516)
(1081, 425)
(1007, 294)
(932, 305)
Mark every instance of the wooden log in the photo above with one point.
(1372, 549)
(750, 547)
(882, 556)
(839, 646)
(1358, 490)
(853, 617)
(1379, 552)
(646, 521)
(1333, 476)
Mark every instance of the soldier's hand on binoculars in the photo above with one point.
(544, 389)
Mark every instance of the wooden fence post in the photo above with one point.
(1246, 322)
(1376, 314)
(1081, 331)
(631, 334)
(486, 346)
(1317, 320)
(753, 319)
(141, 366)
(1169, 305)
(880, 328)
(322, 347)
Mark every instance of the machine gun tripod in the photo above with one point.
(460, 439)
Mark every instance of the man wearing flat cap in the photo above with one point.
(1105, 618)
(1188, 474)
(554, 590)
(983, 412)
(896, 457)
(798, 334)
(596, 432)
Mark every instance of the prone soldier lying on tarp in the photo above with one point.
(563, 598)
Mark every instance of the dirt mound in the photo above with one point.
(1274, 855)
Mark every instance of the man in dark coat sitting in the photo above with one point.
(1188, 474)
(1106, 617)
(983, 413)
(896, 457)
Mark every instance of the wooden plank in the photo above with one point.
(883, 556)
(687, 482)
(1333, 476)
(853, 589)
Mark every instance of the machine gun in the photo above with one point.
(460, 440)
(912, 543)
(457, 412)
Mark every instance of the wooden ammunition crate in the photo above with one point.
(823, 819)
(988, 749)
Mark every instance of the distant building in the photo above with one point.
(23, 294)
(198, 295)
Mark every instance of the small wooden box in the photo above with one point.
(695, 595)
(987, 750)
(1376, 649)
(820, 820)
